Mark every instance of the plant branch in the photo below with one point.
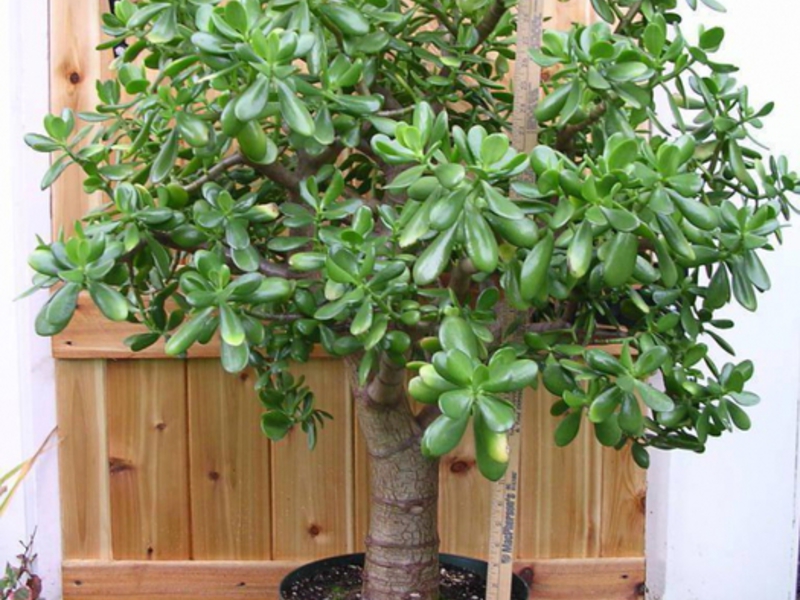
(328, 156)
(277, 318)
(484, 29)
(271, 269)
(392, 103)
(428, 415)
(545, 327)
(388, 386)
(275, 171)
(279, 174)
(215, 172)
(310, 164)
(566, 135)
(460, 278)
(629, 16)
(365, 149)
(598, 336)
(436, 10)
(490, 21)
(397, 112)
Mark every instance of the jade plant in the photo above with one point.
(339, 173)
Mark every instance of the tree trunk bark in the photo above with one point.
(402, 560)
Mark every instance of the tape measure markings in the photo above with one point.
(505, 493)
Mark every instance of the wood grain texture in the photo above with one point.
(560, 488)
(147, 434)
(80, 386)
(623, 505)
(83, 459)
(606, 579)
(75, 65)
(312, 491)
(229, 466)
(91, 335)
(174, 580)
(464, 502)
(561, 14)
(589, 579)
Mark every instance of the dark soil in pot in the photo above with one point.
(339, 578)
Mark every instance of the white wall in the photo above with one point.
(723, 525)
(27, 411)
(12, 528)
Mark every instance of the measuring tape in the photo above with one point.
(527, 75)
(503, 520)
(505, 493)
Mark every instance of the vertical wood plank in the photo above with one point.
(83, 459)
(229, 466)
(312, 491)
(465, 498)
(147, 440)
(75, 65)
(560, 488)
(83, 454)
(623, 513)
(561, 14)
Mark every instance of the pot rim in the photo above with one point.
(520, 588)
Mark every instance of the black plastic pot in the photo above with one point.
(519, 587)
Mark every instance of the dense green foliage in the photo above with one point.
(302, 172)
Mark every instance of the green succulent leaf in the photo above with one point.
(456, 404)
(443, 435)
(110, 302)
(189, 333)
(295, 111)
(533, 277)
(491, 449)
(276, 425)
(165, 161)
(254, 100)
(433, 260)
(56, 314)
(655, 399)
(234, 358)
(498, 414)
(568, 429)
(512, 376)
(605, 405)
(455, 334)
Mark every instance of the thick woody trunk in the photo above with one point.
(403, 542)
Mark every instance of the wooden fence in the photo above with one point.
(169, 489)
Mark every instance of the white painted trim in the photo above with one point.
(724, 525)
(27, 399)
